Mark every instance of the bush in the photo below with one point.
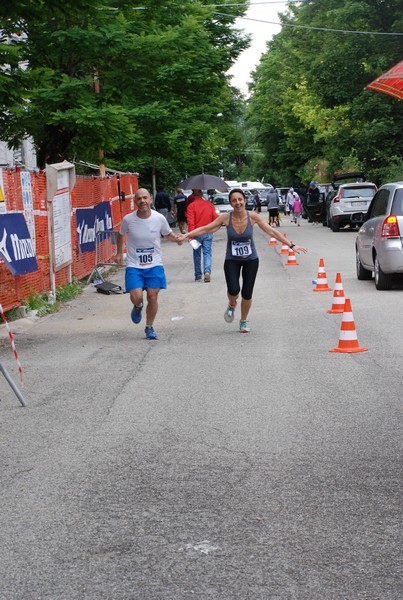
(394, 171)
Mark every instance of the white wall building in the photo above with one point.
(24, 157)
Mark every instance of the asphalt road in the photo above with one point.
(208, 464)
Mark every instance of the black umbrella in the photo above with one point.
(204, 182)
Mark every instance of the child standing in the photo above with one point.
(297, 209)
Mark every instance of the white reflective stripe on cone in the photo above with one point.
(348, 335)
(348, 317)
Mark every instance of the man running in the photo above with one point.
(144, 268)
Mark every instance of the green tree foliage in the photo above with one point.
(141, 81)
(308, 103)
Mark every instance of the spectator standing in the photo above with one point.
(272, 206)
(162, 202)
(257, 204)
(313, 191)
(289, 201)
(200, 213)
(178, 210)
(312, 196)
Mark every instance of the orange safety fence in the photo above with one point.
(87, 192)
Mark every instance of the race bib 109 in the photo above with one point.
(241, 248)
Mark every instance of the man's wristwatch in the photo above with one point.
(292, 246)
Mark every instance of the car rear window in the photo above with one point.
(368, 191)
(397, 206)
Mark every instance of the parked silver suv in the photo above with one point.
(379, 244)
(350, 204)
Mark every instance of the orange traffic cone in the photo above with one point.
(321, 282)
(284, 248)
(338, 297)
(292, 261)
(348, 341)
(273, 241)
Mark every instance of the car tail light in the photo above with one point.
(337, 198)
(390, 227)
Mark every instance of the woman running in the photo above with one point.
(241, 253)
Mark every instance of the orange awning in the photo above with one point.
(390, 83)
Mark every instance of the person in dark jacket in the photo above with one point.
(162, 202)
(312, 197)
(257, 204)
(178, 210)
(313, 192)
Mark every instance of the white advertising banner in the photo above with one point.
(60, 179)
(28, 203)
(62, 229)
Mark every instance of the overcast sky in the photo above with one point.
(261, 33)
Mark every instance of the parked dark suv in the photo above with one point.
(313, 207)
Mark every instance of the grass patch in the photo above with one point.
(40, 302)
(37, 302)
(68, 292)
(11, 315)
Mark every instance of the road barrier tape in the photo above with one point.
(10, 335)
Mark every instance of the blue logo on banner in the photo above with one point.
(16, 247)
(90, 221)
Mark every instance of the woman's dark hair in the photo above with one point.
(239, 192)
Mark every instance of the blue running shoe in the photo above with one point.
(136, 313)
(150, 333)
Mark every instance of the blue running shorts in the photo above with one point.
(154, 277)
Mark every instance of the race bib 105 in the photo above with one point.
(145, 256)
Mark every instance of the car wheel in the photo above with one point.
(362, 274)
(382, 280)
(334, 226)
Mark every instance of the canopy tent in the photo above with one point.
(390, 83)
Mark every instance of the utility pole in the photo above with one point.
(101, 154)
(153, 176)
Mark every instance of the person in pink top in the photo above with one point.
(297, 209)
